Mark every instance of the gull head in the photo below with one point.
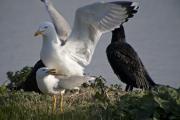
(45, 29)
(43, 72)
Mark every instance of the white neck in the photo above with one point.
(50, 42)
(51, 37)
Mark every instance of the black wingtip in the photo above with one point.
(131, 7)
(128, 4)
(123, 3)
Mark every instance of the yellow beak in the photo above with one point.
(52, 71)
(38, 33)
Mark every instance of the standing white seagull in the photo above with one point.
(90, 23)
(50, 83)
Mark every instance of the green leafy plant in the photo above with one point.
(3, 89)
(17, 78)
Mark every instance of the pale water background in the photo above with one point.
(154, 33)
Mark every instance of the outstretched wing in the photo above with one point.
(62, 27)
(93, 20)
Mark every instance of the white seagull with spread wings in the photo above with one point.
(91, 21)
(69, 52)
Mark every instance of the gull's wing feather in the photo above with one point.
(116, 13)
(62, 27)
(93, 20)
(70, 82)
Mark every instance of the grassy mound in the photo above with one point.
(94, 102)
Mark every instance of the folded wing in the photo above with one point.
(127, 65)
(70, 82)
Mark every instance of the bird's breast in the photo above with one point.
(47, 85)
(55, 58)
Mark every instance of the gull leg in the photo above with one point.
(61, 102)
(54, 103)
